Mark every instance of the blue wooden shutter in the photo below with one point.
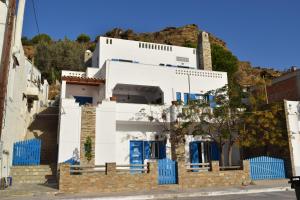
(178, 96)
(186, 98)
(147, 152)
(194, 153)
(211, 100)
(215, 154)
(136, 152)
(192, 97)
(162, 150)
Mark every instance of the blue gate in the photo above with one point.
(167, 171)
(266, 168)
(27, 152)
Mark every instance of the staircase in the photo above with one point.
(40, 174)
(44, 127)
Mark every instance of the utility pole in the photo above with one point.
(6, 57)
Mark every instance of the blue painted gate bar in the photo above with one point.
(27, 152)
(167, 171)
(265, 167)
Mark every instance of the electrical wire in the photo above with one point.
(35, 17)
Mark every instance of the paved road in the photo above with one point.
(259, 196)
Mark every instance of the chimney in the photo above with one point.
(204, 52)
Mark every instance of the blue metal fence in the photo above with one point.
(265, 167)
(167, 171)
(27, 152)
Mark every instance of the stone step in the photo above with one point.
(34, 174)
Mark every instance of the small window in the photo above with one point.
(165, 48)
(158, 47)
(170, 48)
(143, 45)
(155, 47)
(152, 46)
(146, 46)
(106, 41)
(110, 41)
(140, 45)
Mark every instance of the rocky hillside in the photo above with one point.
(181, 36)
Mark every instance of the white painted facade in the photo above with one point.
(143, 88)
(26, 95)
(292, 111)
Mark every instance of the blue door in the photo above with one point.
(214, 149)
(27, 152)
(186, 98)
(194, 152)
(83, 100)
(136, 154)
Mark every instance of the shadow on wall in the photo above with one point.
(45, 127)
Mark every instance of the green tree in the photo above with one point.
(51, 58)
(41, 38)
(26, 41)
(224, 60)
(83, 38)
(266, 128)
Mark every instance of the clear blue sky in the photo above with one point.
(264, 32)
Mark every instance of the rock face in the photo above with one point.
(182, 36)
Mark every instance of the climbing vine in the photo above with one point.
(88, 148)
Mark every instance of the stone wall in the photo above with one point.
(215, 177)
(88, 129)
(111, 180)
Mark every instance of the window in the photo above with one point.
(146, 46)
(155, 47)
(152, 46)
(106, 41)
(140, 45)
(178, 96)
(143, 45)
(110, 41)
(165, 48)
(155, 149)
(158, 47)
(170, 48)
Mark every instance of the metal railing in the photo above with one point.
(79, 169)
(197, 166)
(143, 168)
(234, 167)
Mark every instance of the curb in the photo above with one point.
(195, 194)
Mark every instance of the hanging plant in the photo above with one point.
(88, 148)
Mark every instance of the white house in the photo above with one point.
(26, 94)
(130, 81)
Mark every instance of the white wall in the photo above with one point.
(17, 116)
(292, 110)
(3, 15)
(170, 80)
(83, 90)
(69, 131)
(105, 144)
(131, 50)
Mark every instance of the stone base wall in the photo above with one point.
(215, 177)
(111, 180)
